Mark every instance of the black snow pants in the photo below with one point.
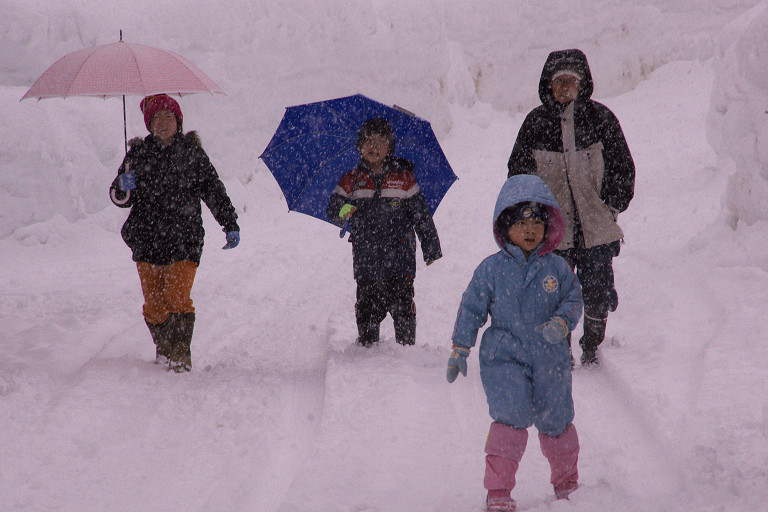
(376, 298)
(594, 268)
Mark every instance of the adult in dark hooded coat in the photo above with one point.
(163, 180)
(576, 145)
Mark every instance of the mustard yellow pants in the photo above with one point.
(166, 289)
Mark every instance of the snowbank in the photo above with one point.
(738, 120)
(423, 56)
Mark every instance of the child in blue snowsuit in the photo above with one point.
(534, 300)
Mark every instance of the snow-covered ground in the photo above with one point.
(282, 412)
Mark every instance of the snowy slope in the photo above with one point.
(282, 412)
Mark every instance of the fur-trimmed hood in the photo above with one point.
(523, 188)
(190, 138)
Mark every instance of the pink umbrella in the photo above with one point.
(120, 69)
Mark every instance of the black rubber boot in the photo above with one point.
(594, 333)
(162, 339)
(181, 341)
(368, 335)
(405, 330)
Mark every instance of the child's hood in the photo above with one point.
(524, 188)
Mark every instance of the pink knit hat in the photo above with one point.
(151, 105)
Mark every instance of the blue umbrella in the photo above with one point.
(316, 143)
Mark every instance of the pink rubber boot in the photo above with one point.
(504, 449)
(562, 452)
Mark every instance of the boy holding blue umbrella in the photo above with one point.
(386, 211)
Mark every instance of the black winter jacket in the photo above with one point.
(595, 128)
(165, 224)
(390, 207)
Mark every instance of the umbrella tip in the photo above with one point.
(404, 111)
(121, 35)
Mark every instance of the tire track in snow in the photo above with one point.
(616, 427)
(387, 439)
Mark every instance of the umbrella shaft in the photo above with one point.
(125, 127)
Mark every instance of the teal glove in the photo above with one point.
(457, 363)
(553, 331)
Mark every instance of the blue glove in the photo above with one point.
(233, 238)
(553, 331)
(127, 180)
(457, 363)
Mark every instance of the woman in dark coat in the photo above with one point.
(163, 179)
(577, 147)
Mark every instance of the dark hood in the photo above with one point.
(565, 59)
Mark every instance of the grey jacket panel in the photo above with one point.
(583, 170)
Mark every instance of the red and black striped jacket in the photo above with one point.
(390, 209)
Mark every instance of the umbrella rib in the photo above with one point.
(286, 141)
(320, 168)
(338, 113)
(365, 111)
(191, 74)
(138, 68)
(82, 65)
(365, 115)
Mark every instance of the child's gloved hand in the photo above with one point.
(346, 211)
(233, 239)
(127, 180)
(457, 363)
(553, 331)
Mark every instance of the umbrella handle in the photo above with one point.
(125, 125)
(344, 229)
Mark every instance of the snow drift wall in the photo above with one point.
(738, 119)
(57, 157)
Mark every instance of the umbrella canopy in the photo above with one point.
(120, 69)
(316, 143)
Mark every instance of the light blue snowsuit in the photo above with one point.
(527, 381)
